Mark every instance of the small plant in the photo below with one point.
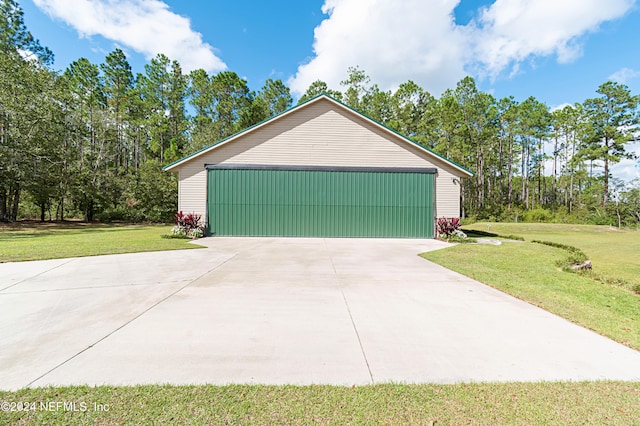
(195, 233)
(187, 226)
(538, 215)
(447, 226)
(187, 221)
(458, 233)
(179, 232)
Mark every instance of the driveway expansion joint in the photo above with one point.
(127, 322)
(100, 287)
(37, 275)
(355, 329)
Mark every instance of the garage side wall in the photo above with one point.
(447, 192)
(319, 134)
(192, 189)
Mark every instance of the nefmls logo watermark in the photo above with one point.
(82, 406)
(72, 406)
(63, 406)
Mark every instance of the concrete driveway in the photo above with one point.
(281, 310)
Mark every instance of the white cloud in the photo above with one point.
(510, 31)
(628, 169)
(146, 26)
(391, 40)
(560, 107)
(27, 55)
(397, 40)
(624, 75)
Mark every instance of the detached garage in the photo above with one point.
(320, 169)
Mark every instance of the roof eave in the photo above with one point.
(465, 171)
(170, 167)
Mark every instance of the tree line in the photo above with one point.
(530, 162)
(90, 141)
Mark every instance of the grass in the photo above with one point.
(529, 272)
(614, 253)
(395, 404)
(35, 241)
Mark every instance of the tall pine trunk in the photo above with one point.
(524, 193)
(605, 196)
(3, 205)
(510, 172)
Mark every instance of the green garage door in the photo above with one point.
(260, 200)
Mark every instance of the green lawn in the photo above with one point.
(33, 241)
(528, 271)
(392, 404)
(614, 253)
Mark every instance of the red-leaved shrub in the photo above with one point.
(188, 221)
(447, 226)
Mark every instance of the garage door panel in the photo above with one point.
(320, 203)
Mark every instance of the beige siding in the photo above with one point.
(192, 188)
(320, 134)
(447, 192)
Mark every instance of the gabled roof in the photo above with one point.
(292, 110)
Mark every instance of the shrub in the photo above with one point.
(458, 233)
(447, 226)
(120, 214)
(188, 222)
(537, 215)
(458, 236)
(195, 233)
(469, 220)
(187, 226)
(178, 230)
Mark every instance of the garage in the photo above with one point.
(320, 169)
(264, 200)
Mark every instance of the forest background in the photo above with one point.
(89, 142)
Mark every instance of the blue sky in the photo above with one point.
(559, 51)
